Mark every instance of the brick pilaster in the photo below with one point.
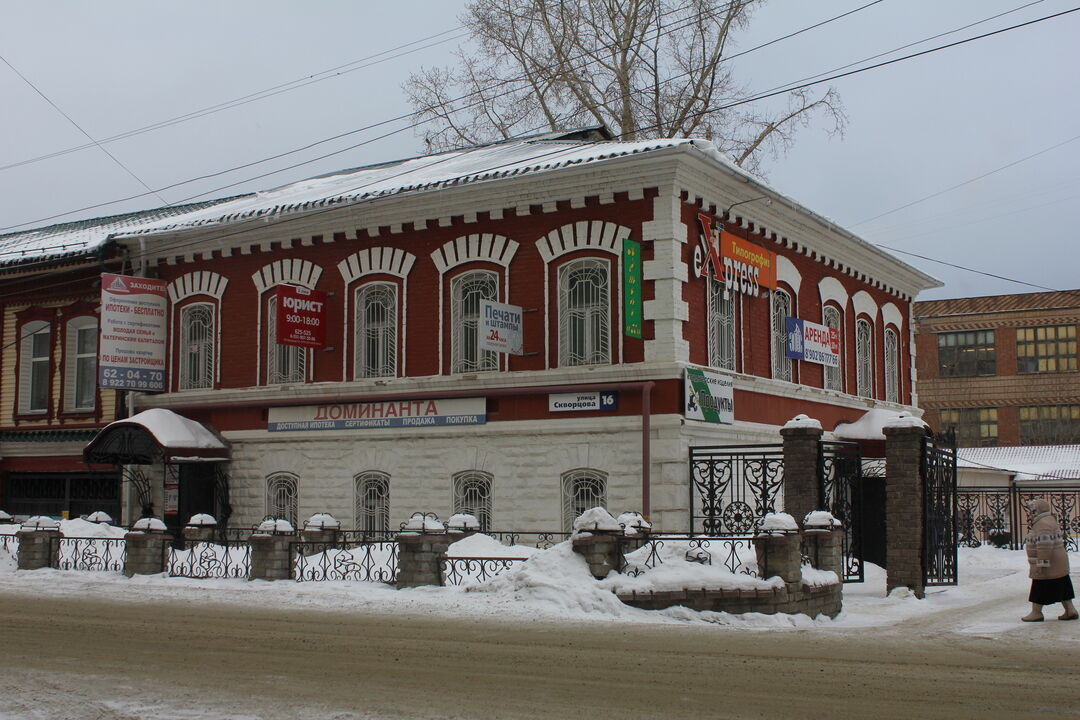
(904, 508)
(802, 483)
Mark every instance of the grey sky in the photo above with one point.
(916, 127)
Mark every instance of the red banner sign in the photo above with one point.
(301, 316)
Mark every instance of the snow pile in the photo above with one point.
(778, 524)
(80, 528)
(322, 521)
(41, 522)
(9, 528)
(802, 421)
(276, 526)
(679, 566)
(423, 523)
(820, 519)
(99, 517)
(149, 524)
(596, 519)
(462, 522)
(817, 578)
(4, 517)
(486, 546)
(633, 523)
(202, 520)
(905, 420)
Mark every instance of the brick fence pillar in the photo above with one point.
(779, 555)
(195, 534)
(601, 551)
(826, 550)
(37, 549)
(420, 558)
(904, 508)
(802, 453)
(271, 557)
(145, 554)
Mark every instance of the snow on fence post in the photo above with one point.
(37, 548)
(598, 538)
(823, 536)
(778, 548)
(199, 529)
(802, 450)
(271, 551)
(320, 531)
(422, 545)
(147, 545)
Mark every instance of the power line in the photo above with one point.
(79, 128)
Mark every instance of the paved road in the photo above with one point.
(68, 657)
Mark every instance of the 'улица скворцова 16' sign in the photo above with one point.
(367, 415)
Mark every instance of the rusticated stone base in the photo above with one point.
(790, 598)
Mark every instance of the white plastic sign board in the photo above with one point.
(500, 327)
(708, 396)
(371, 415)
(812, 342)
(588, 400)
(134, 322)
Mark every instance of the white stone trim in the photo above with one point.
(831, 289)
(289, 270)
(594, 235)
(198, 283)
(891, 315)
(788, 273)
(376, 260)
(484, 247)
(864, 304)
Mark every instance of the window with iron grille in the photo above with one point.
(80, 364)
(1046, 349)
(284, 363)
(834, 376)
(582, 490)
(966, 354)
(372, 502)
(584, 313)
(892, 366)
(781, 310)
(281, 496)
(864, 359)
(376, 325)
(975, 427)
(1050, 425)
(35, 348)
(198, 337)
(466, 292)
(472, 495)
(721, 326)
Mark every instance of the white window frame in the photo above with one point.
(592, 318)
(892, 366)
(781, 308)
(582, 489)
(375, 344)
(294, 359)
(371, 502)
(74, 361)
(283, 496)
(29, 362)
(722, 330)
(472, 495)
(834, 376)
(864, 358)
(198, 352)
(466, 355)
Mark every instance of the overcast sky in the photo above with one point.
(917, 127)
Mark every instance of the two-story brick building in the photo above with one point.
(403, 410)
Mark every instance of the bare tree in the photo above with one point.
(644, 68)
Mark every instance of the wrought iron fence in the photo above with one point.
(472, 570)
(840, 471)
(736, 554)
(541, 540)
(732, 488)
(82, 553)
(229, 559)
(371, 561)
(938, 471)
(10, 544)
(999, 515)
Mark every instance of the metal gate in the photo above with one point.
(840, 472)
(732, 488)
(938, 473)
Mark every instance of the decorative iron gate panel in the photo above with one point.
(938, 471)
(840, 470)
(732, 488)
(999, 515)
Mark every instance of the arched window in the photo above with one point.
(834, 376)
(721, 326)
(892, 366)
(376, 331)
(466, 292)
(472, 495)
(584, 313)
(864, 359)
(581, 490)
(80, 364)
(35, 370)
(372, 502)
(781, 310)
(281, 496)
(198, 335)
(284, 363)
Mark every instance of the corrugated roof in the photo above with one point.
(82, 236)
(1030, 463)
(998, 303)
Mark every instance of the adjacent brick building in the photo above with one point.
(1001, 369)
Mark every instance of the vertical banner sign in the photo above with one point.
(812, 342)
(631, 288)
(301, 316)
(134, 320)
(708, 396)
(500, 327)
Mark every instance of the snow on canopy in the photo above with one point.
(180, 439)
(869, 426)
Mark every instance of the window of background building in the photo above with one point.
(966, 354)
(1050, 425)
(584, 313)
(721, 326)
(781, 310)
(1046, 349)
(582, 490)
(834, 376)
(472, 495)
(864, 358)
(975, 427)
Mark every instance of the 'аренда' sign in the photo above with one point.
(812, 342)
(134, 320)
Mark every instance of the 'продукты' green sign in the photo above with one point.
(631, 288)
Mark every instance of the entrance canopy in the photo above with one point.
(152, 434)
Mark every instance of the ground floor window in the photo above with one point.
(472, 495)
(281, 497)
(581, 490)
(372, 506)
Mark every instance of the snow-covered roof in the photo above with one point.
(1031, 463)
(178, 438)
(83, 236)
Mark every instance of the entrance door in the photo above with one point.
(196, 490)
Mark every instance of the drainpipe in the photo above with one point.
(644, 387)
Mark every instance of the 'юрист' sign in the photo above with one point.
(301, 316)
